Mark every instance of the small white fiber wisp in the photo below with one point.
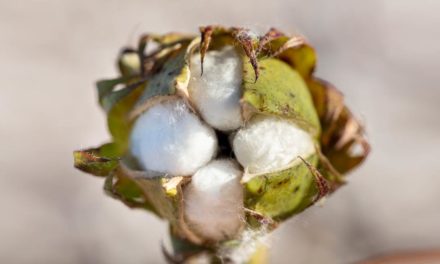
(214, 201)
(169, 138)
(217, 92)
(249, 241)
(269, 143)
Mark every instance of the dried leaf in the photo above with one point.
(165, 42)
(329, 103)
(348, 146)
(171, 80)
(341, 132)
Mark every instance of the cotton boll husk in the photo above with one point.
(169, 138)
(214, 201)
(269, 143)
(217, 93)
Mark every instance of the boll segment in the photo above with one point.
(214, 201)
(169, 138)
(217, 92)
(269, 143)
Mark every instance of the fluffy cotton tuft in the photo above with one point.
(216, 93)
(214, 201)
(169, 138)
(269, 144)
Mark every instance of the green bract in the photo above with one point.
(277, 80)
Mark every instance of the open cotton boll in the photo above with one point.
(216, 93)
(270, 143)
(169, 138)
(214, 200)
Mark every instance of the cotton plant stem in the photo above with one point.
(185, 252)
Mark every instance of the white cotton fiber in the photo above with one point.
(169, 138)
(269, 143)
(214, 201)
(216, 93)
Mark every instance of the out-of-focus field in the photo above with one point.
(384, 55)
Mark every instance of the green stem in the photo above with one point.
(186, 252)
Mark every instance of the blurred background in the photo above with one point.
(383, 54)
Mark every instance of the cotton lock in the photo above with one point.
(169, 138)
(217, 92)
(269, 144)
(214, 200)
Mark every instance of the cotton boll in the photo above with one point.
(269, 144)
(214, 201)
(216, 93)
(169, 138)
